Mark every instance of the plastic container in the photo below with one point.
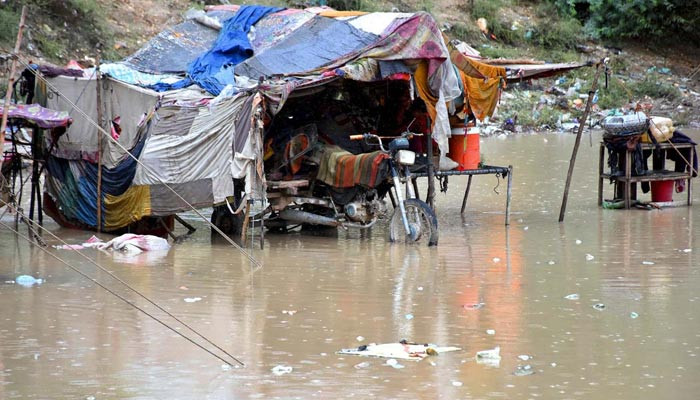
(662, 191)
(464, 149)
(624, 125)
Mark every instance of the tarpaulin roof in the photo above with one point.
(173, 49)
(42, 117)
(517, 72)
(317, 43)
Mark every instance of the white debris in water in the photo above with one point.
(545, 140)
(553, 364)
(362, 365)
(493, 354)
(281, 369)
(420, 288)
(360, 338)
(457, 383)
(572, 296)
(192, 299)
(524, 357)
(599, 306)
(526, 228)
(551, 262)
(634, 315)
(225, 367)
(409, 316)
(289, 312)
(490, 331)
(647, 263)
(589, 257)
(578, 241)
(496, 259)
(392, 362)
(687, 250)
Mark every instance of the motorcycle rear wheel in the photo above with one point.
(422, 220)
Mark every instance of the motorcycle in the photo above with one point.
(317, 204)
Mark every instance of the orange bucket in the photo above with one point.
(464, 150)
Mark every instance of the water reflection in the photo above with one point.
(317, 294)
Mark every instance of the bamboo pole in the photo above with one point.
(599, 67)
(99, 143)
(10, 83)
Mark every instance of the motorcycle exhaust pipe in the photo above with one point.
(303, 217)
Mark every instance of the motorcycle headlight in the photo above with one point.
(405, 157)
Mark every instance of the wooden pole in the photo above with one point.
(99, 143)
(10, 83)
(599, 67)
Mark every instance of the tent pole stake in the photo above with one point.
(599, 67)
(10, 83)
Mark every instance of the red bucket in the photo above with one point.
(662, 191)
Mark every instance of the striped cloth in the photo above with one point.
(342, 169)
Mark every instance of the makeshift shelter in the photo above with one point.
(202, 132)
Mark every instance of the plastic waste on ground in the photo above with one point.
(400, 351)
(28, 280)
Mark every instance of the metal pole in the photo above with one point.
(431, 173)
(99, 143)
(582, 123)
(10, 82)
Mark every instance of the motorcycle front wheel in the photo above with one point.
(421, 220)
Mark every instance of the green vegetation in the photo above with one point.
(54, 39)
(649, 19)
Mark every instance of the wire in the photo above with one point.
(122, 298)
(147, 168)
(101, 268)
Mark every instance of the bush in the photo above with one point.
(652, 19)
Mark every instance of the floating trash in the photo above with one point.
(491, 354)
(523, 370)
(490, 331)
(28, 281)
(524, 357)
(362, 365)
(192, 299)
(687, 250)
(647, 263)
(634, 315)
(394, 363)
(599, 306)
(289, 312)
(409, 316)
(420, 288)
(578, 241)
(225, 367)
(402, 350)
(474, 306)
(491, 358)
(360, 338)
(457, 383)
(281, 369)
(572, 296)
(551, 262)
(496, 260)
(589, 257)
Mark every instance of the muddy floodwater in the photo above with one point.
(603, 306)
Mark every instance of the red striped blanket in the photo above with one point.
(342, 169)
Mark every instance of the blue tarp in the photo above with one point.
(317, 43)
(209, 70)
